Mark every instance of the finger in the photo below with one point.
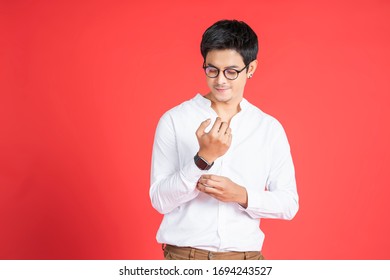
(212, 177)
(228, 132)
(200, 187)
(211, 184)
(202, 127)
(222, 129)
(203, 182)
(230, 140)
(203, 188)
(212, 191)
(206, 182)
(216, 126)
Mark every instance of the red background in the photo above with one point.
(83, 84)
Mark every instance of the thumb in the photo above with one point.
(202, 127)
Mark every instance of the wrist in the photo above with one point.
(206, 157)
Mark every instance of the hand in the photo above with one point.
(223, 189)
(216, 142)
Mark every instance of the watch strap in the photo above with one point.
(201, 163)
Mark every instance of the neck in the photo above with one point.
(225, 110)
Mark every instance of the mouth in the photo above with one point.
(221, 90)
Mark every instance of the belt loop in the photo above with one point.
(192, 254)
(245, 256)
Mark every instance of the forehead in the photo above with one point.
(224, 58)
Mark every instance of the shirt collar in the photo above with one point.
(202, 101)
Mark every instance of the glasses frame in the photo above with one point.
(224, 71)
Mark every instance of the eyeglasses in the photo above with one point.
(229, 73)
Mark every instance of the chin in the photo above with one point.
(222, 97)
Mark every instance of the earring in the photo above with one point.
(250, 75)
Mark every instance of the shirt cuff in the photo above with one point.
(191, 173)
(254, 201)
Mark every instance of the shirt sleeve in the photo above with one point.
(279, 200)
(172, 183)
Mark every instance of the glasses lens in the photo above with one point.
(211, 72)
(230, 74)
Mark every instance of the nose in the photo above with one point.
(221, 79)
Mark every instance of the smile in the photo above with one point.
(221, 89)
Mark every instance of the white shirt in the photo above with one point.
(258, 159)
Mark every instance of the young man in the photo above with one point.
(219, 163)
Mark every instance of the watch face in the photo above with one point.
(201, 163)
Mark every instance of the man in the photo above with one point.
(219, 163)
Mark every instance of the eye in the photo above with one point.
(211, 71)
(230, 72)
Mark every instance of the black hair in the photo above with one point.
(230, 35)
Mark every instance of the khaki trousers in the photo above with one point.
(188, 253)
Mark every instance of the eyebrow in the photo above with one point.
(229, 67)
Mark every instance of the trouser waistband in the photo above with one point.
(189, 253)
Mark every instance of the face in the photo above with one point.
(223, 90)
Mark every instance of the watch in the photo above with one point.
(201, 163)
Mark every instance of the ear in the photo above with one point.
(252, 68)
